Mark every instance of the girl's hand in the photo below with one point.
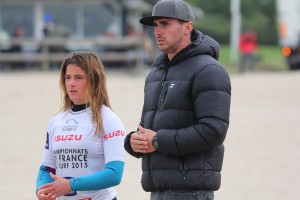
(59, 187)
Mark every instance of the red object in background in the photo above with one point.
(248, 42)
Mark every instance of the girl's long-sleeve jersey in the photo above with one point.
(74, 151)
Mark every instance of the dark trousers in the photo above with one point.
(182, 195)
(248, 63)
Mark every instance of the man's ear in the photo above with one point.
(189, 26)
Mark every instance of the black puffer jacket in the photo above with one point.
(187, 102)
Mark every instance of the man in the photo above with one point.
(186, 109)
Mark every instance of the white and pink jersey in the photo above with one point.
(73, 149)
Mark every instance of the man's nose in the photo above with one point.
(157, 31)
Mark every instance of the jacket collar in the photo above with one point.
(200, 44)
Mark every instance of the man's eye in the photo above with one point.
(164, 23)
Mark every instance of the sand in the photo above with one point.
(262, 155)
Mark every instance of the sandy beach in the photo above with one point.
(262, 151)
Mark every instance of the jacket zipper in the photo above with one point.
(162, 98)
(183, 169)
(164, 91)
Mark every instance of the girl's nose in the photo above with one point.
(71, 81)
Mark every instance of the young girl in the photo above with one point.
(84, 155)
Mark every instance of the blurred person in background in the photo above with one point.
(4, 40)
(248, 48)
(16, 47)
(84, 154)
(19, 32)
(147, 51)
(186, 109)
(4, 44)
(55, 31)
(132, 51)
